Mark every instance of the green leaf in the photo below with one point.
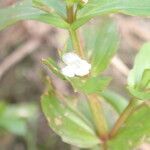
(135, 131)
(118, 102)
(13, 125)
(93, 31)
(145, 82)
(51, 64)
(25, 11)
(58, 6)
(142, 62)
(24, 111)
(90, 85)
(143, 90)
(83, 107)
(139, 94)
(139, 77)
(67, 123)
(40, 5)
(105, 47)
(95, 8)
(14, 118)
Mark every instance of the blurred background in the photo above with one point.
(22, 77)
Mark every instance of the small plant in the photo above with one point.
(85, 123)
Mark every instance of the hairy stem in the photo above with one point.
(98, 116)
(123, 117)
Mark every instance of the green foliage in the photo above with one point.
(118, 102)
(90, 85)
(83, 107)
(139, 77)
(65, 119)
(87, 85)
(104, 48)
(11, 123)
(51, 64)
(145, 82)
(95, 8)
(133, 132)
(13, 118)
(25, 11)
(67, 123)
(58, 6)
(141, 95)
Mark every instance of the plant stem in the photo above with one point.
(104, 145)
(94, 102)
(76, 43)
(70, 12)
(98, 116)
(73, 33)
(123, 117)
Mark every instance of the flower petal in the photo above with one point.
(70, 58)
(82, 68)
(68, 71)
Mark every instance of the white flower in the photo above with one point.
(75, 66)
(70, 58)
(68, 71)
